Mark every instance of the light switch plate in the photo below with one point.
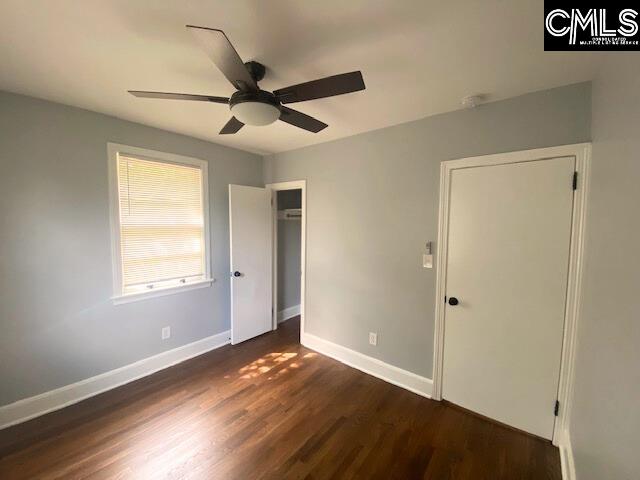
(427, 260)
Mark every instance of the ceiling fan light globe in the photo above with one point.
(255, 113)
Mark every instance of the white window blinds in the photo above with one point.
(162, 237)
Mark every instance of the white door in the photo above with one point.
(507, 265)
(250, 243)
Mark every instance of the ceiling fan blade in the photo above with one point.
(322, 88)
(301, 120)
(232, 126)
(179, 96)
(219, 48)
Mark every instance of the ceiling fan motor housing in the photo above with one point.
(256, 70)
(255, 108)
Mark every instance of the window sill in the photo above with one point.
(160, 292)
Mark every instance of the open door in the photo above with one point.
(250, 244)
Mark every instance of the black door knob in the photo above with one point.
(453, 301)
(236, 274)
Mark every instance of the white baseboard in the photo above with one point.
(397, 376)
(46, 402)
(566, 457)
(288, 313)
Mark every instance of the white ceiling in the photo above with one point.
(418, 58)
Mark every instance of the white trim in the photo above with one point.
(161, 292)
(115, 149)
(574, 293)
(287, 313)
(38, 405)
(567, 465)
(275, 187)
(372, 366)
(582, 154)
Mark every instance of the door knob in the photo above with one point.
(236, 274)
(453, 301)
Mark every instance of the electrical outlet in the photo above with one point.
(166, 332)
(373, 338)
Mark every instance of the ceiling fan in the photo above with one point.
(250, 105)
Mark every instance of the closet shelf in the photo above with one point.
(290, 214)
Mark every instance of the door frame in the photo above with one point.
(582, 154)
(275, 188)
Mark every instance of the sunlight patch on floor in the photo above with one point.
(267, 362)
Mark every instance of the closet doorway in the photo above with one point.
(289, 220)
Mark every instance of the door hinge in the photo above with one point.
(556, 409)
(575, 180)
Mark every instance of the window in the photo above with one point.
(159, 222)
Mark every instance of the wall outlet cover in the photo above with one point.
(373, 338)
(166, 332)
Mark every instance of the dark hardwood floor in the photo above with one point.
(268, 409)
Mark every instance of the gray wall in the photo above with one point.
(57, 323)
(289, 236)
(372, 202)
(605, 422)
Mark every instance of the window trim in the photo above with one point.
(113, 151)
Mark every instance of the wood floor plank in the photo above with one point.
(268, 409)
